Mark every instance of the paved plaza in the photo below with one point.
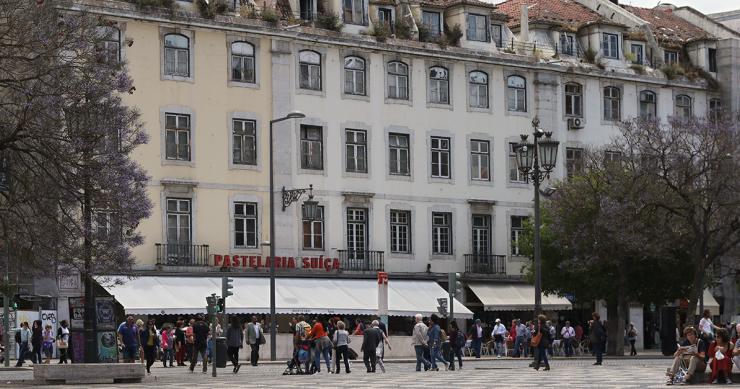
(506, 373)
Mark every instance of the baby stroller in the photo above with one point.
(301, 363)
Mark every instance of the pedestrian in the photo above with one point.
(128, 337)
(568, 333)
(706, 327)
(234, 341)
(180, 343)
(370, 339)
(341, 342)
(476, 336)
(322, 344)
(499, 335)
(63, 341)
(23, 339)
(48, 343)
(359, 327)
(457, 342)
(212, 340)
(579, 332)
(200, 344)
(435, 343)
(149, 344)
(419, 340)
(597, 337)
(520, 345)
(139, 328)
(254, 337)
(543, 332)
(36, 340)
(380, 350)
(167, 340)
(632, 337)
(189, 340)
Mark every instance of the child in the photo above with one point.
(47, 346)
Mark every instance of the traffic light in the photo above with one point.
(221, 305)
(16, 301)
(226, 287)
(212, 304)
(455, 287)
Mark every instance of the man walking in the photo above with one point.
(419, 340)
(179, 343)
(254, 334)
(200, 344)
(189, 340)
(371, 338)
(520, 340)
(128, 336)
(24, 339)
(476, 336)
(568, 333)
(499, 335)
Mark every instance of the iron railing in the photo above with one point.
(485, 264)
(361, 260)
(176, 254)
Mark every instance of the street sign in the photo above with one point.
(442, 311)
(442, 301)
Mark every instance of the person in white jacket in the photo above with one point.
(419, 340)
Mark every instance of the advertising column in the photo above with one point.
(383, 297)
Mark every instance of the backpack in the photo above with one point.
(18, 337)
(460, 339)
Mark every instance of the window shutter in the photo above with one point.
(471, 28)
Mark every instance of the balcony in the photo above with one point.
(358, 260)
(485, 264)
(182, 254)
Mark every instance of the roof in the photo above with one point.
(562, 12)
(669, 27)
(449, 3)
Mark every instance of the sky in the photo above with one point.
(704, 6)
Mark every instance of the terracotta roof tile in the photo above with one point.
(449, 3)
(668, 27)
(564, 12)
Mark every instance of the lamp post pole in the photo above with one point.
(537, 222)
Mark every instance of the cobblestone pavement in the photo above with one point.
(506, 373)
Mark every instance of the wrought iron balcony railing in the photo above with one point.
(176, 254)
(485, 264)
(361, 260)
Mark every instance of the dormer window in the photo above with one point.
(433, 22)
(636, 50)
(477, 28)
(497, 35)
(671, 57)
(354, 12)
(712, 59)
(610, 45)
(567, 44)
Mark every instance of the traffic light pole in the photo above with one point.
(452, 280)
(6, 328)
(212, 301)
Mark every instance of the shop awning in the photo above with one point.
(514, 297)
(710, 303)
(160, 295)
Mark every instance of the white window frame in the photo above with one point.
(395, 152)
(354, 12)
(573, 100)
(398, 80)
(180, 216)
(240, 140)
(177, 131)
(683, 106)
(610, 45)
(516, 96)
(612, 104)
(441, 152)
(573, 161)
(435, 29)
(497, 35)
(109, 45)
(308, 146)
(516, 233)
(356, 150)
(671, 57)
(639, 56)
(355, 81)
(316, 229)
(477, 27)
(177, 52)
(478, 89)
(312, 68)
(646, 103)
(400, 229)
(442, 233)
(521, 178)
(480, 157)
(244, 218)
(439, 85)
(247, 62)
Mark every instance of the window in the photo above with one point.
(440, 157)
(573, 161)
(481, 234)
(310, 70)
(313, 231)
(400, 231)
(610, 45)
(648, 106)
(497, 35)
(612, 156)
(441, 233)
(636, 50)
(398, 154)
(245, 225)
(712, 59)
(357, 232)
(176, 55)
(517, 229)
(242, 62)
(480, 160)
(670, 57)
(516, 93)
(109, 44)
(715, 108)
(385, 16)
(354, 76)
(567, 44)
(478, 89)
(354, 11)
(356, 151)
(439, 85)
(398, 81)
(103, 224)
(311, 148)
(431, 20)
(244, 142)
(683, 106)
(178, 222)
(612, 104)
(573, 100)
(306, 8)
(515, 175)
(177, 137)
(477, 28)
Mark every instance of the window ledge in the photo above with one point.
(487, 183)
(517, 113)
(314, 172)
(246, 250)
(311, 92)
(238, 166)
(348, 96)
(479, 109)
(441, 180)
(240, 84)
(171, 162)
(400, 256)
(355, 174)
(522, 185)
(442, 257)
(170, 77)
(440, 106)
(389, 100)
(400, 177)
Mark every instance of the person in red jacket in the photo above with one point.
(720, 367)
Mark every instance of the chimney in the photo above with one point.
(524, 25)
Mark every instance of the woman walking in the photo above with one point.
(341, 341)
(139, 329)
(149, 343)
(323, 346)
(435, 343)
(36, 340)
(234, 341)
(63, 341)
(632, 337)
(457, 342)
(48, 343)
(543, 332)
(167, 340)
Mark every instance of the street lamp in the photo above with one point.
(273, 334)
(537, 160)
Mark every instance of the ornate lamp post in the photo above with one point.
(537, 160)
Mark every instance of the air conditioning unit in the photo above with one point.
(575, 123)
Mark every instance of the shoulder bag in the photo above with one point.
(537, 338)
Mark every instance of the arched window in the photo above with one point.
(683, 106)
(648, 110)
(176, 55)
(309, 63)
(612, 104)
(516, 89)
(242, 62)
(109, 44)
(573, 99)
(478, 89)
(398, 80)
(354, 76)
(439, 85)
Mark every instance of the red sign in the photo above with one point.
(257, 262)
(382, 278)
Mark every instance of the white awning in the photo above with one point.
(514, 297)
(160, 295)
(710, 303)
